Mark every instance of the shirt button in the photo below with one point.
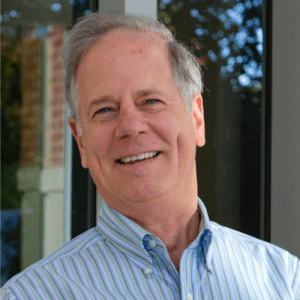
(189, 297)
(152, 244)
(147, 271)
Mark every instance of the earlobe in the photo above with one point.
(80, 142)
(198, 114)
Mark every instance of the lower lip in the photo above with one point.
(140, 162)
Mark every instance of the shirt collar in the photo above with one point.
(124, 234)
(130, 238)
(204, 239)
(204, 216)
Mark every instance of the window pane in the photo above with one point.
(227, 38)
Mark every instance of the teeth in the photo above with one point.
(139, 157)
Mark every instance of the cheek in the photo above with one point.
(97, 143)
(168, 128)
(186, 141)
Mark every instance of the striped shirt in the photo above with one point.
(120, 260)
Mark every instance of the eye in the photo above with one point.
(104, 110)
(151, 101)
(105, 113)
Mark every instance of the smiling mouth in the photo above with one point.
(135, 159)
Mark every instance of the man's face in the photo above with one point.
(130, 105)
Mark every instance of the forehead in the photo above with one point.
(119, 43)
(125, 59)
(123, 35)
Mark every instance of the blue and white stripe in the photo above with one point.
(120, 260)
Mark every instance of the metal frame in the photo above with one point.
(82, 210)
(265, 213)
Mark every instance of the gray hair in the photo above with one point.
(90, 29)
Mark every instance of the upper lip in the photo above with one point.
(124, 156)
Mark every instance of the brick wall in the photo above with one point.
(54, 101)
(31, 108)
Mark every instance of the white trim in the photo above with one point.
(67, 181)
(146, 8)
(143, 8)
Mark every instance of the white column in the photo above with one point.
(54, 143)
(285, 201)
(52, 184)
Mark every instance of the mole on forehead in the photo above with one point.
(140, 50)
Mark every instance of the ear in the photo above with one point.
(80, 142)
(198, 115)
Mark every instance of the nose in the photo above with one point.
(131, 122)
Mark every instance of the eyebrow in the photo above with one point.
(147, 92)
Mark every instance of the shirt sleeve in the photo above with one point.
(296, 280)
(7, 294)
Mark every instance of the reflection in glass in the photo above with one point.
(32, 121)
(227, 38)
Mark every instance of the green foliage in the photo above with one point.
(10, 121)
(223, 34)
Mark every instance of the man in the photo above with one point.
(137, 117)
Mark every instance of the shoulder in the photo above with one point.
(73, 248)
(243, 248)
(259, 248)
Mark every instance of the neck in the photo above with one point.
(177, 234)
(176, 228)
(172, 217)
